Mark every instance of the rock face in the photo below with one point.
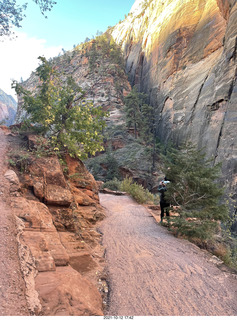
(183, 54)
(60, 251)
(8, 108)
(105, 84)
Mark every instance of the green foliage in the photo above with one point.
(58, 111)
(12, 13)
(20, 160)
(140, 194)
(230, 240)
(105, 58)
(114, 185)
(133, 103)
(139, 115)
(94, 166)
(194, 192)
(43, 147)
(104, 48)
(112, 166)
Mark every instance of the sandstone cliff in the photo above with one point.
(59, 247)
(183, 54)
(7, 108)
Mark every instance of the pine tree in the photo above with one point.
(133, 109)
(112, 166)
(194, 192)
(147, 131)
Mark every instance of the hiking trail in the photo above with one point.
(152, 273)
(12, 294)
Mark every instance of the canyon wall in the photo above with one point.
(182, 53)
(8, 108)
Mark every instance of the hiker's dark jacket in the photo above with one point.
(161, 190)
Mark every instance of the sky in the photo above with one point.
(69, 23)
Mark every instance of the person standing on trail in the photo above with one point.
(164, 205)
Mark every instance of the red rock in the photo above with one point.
(57, 195)
(64, 219)
(91, 214)
(82, 198)
(35, 215)
(56, 248)
(64, 292)
(39, 250)
(80, 176)
(71, 210)
(39, 191)
(49, 169)
(82, 262)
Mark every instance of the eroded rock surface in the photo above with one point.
(60, 249)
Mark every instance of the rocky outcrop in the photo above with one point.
(60, 250)
(183, 54)
(8, 108)
(105, 83)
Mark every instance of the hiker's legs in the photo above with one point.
(162, 211)
(167, 210)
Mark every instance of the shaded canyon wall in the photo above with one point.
(183, 54)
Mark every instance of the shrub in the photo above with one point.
(114, 185)
(137, 191)
(21, 161)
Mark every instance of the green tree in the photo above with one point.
(105, 48)
(194, 192)
(112, 166)
(60, 112)
(148, 123)
(11, 14)
(133, 110)
(93, 55)
(140, 115)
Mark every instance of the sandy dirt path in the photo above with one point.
(12, 296)
(153, 273)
